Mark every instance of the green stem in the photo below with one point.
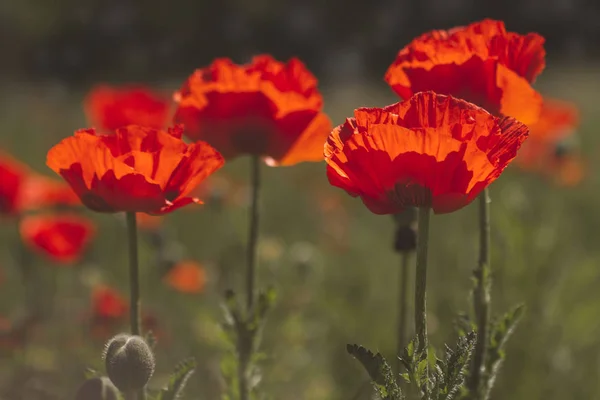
(253, 233)
(403, 293)
(481, 296)
(134, 276)
(134, 285)
(421, 278)
(246, 339)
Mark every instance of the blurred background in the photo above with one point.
(331, 260)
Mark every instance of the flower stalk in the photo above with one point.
(403, 295)
(481, 296)
(421, 278)
(245, 338)
(134, 285)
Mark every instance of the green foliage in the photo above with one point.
(500, 332)
(434, 378)
(243, 336)
(379, 370)
(178, 380)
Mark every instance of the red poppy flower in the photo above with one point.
(108, 303)
(429, 151)
(186, 277)
(137, 169)
(558, 121)
(23, 190)
(109, 311)
(62, 238)
(481, 63)
(109, 108)
(265, 108)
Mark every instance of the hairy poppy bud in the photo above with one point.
(99, 388)
(129, 362)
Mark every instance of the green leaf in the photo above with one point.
(178, 379)
(379, 370)
(456, 364)
(500, 332)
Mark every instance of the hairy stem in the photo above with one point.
(134, 285)
(421, 278)
(481, 297)
(245, 342)
(403, 296)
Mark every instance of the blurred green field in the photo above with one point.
(332, 264)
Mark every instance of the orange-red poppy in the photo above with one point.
(481, 63)
(61, 238)
(108, 303)
(547, 151)
(109, 108)
(558, 121)
(187, 277)
(109, 310)
(429, 151)
(24, 190)
(266, 108)
(138, 169)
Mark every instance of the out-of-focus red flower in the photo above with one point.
(429, 151)
(481, 63)
(62, 238)
(137, 169)
(109, 310)
(109, 108)
(187, 277)
(265, 108)
(108, 303)
(567, 170)
(21, 189)
(558, 122)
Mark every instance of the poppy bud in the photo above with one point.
(129, 362)
(99, 388)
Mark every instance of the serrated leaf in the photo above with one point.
(500, 333)
(178, 380)
(456, 364)
(379, 370)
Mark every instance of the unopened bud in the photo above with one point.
(129, 362)
(99, 388)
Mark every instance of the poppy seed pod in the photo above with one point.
(98, 388)
(129, 362)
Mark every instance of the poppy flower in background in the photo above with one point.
(547, 151)
(22, 189)
(429, 151)
(481, 63)
(138, 169)
(61, 238)
(109, 309)
(108, 108)
(187, 277)
(266, 108)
